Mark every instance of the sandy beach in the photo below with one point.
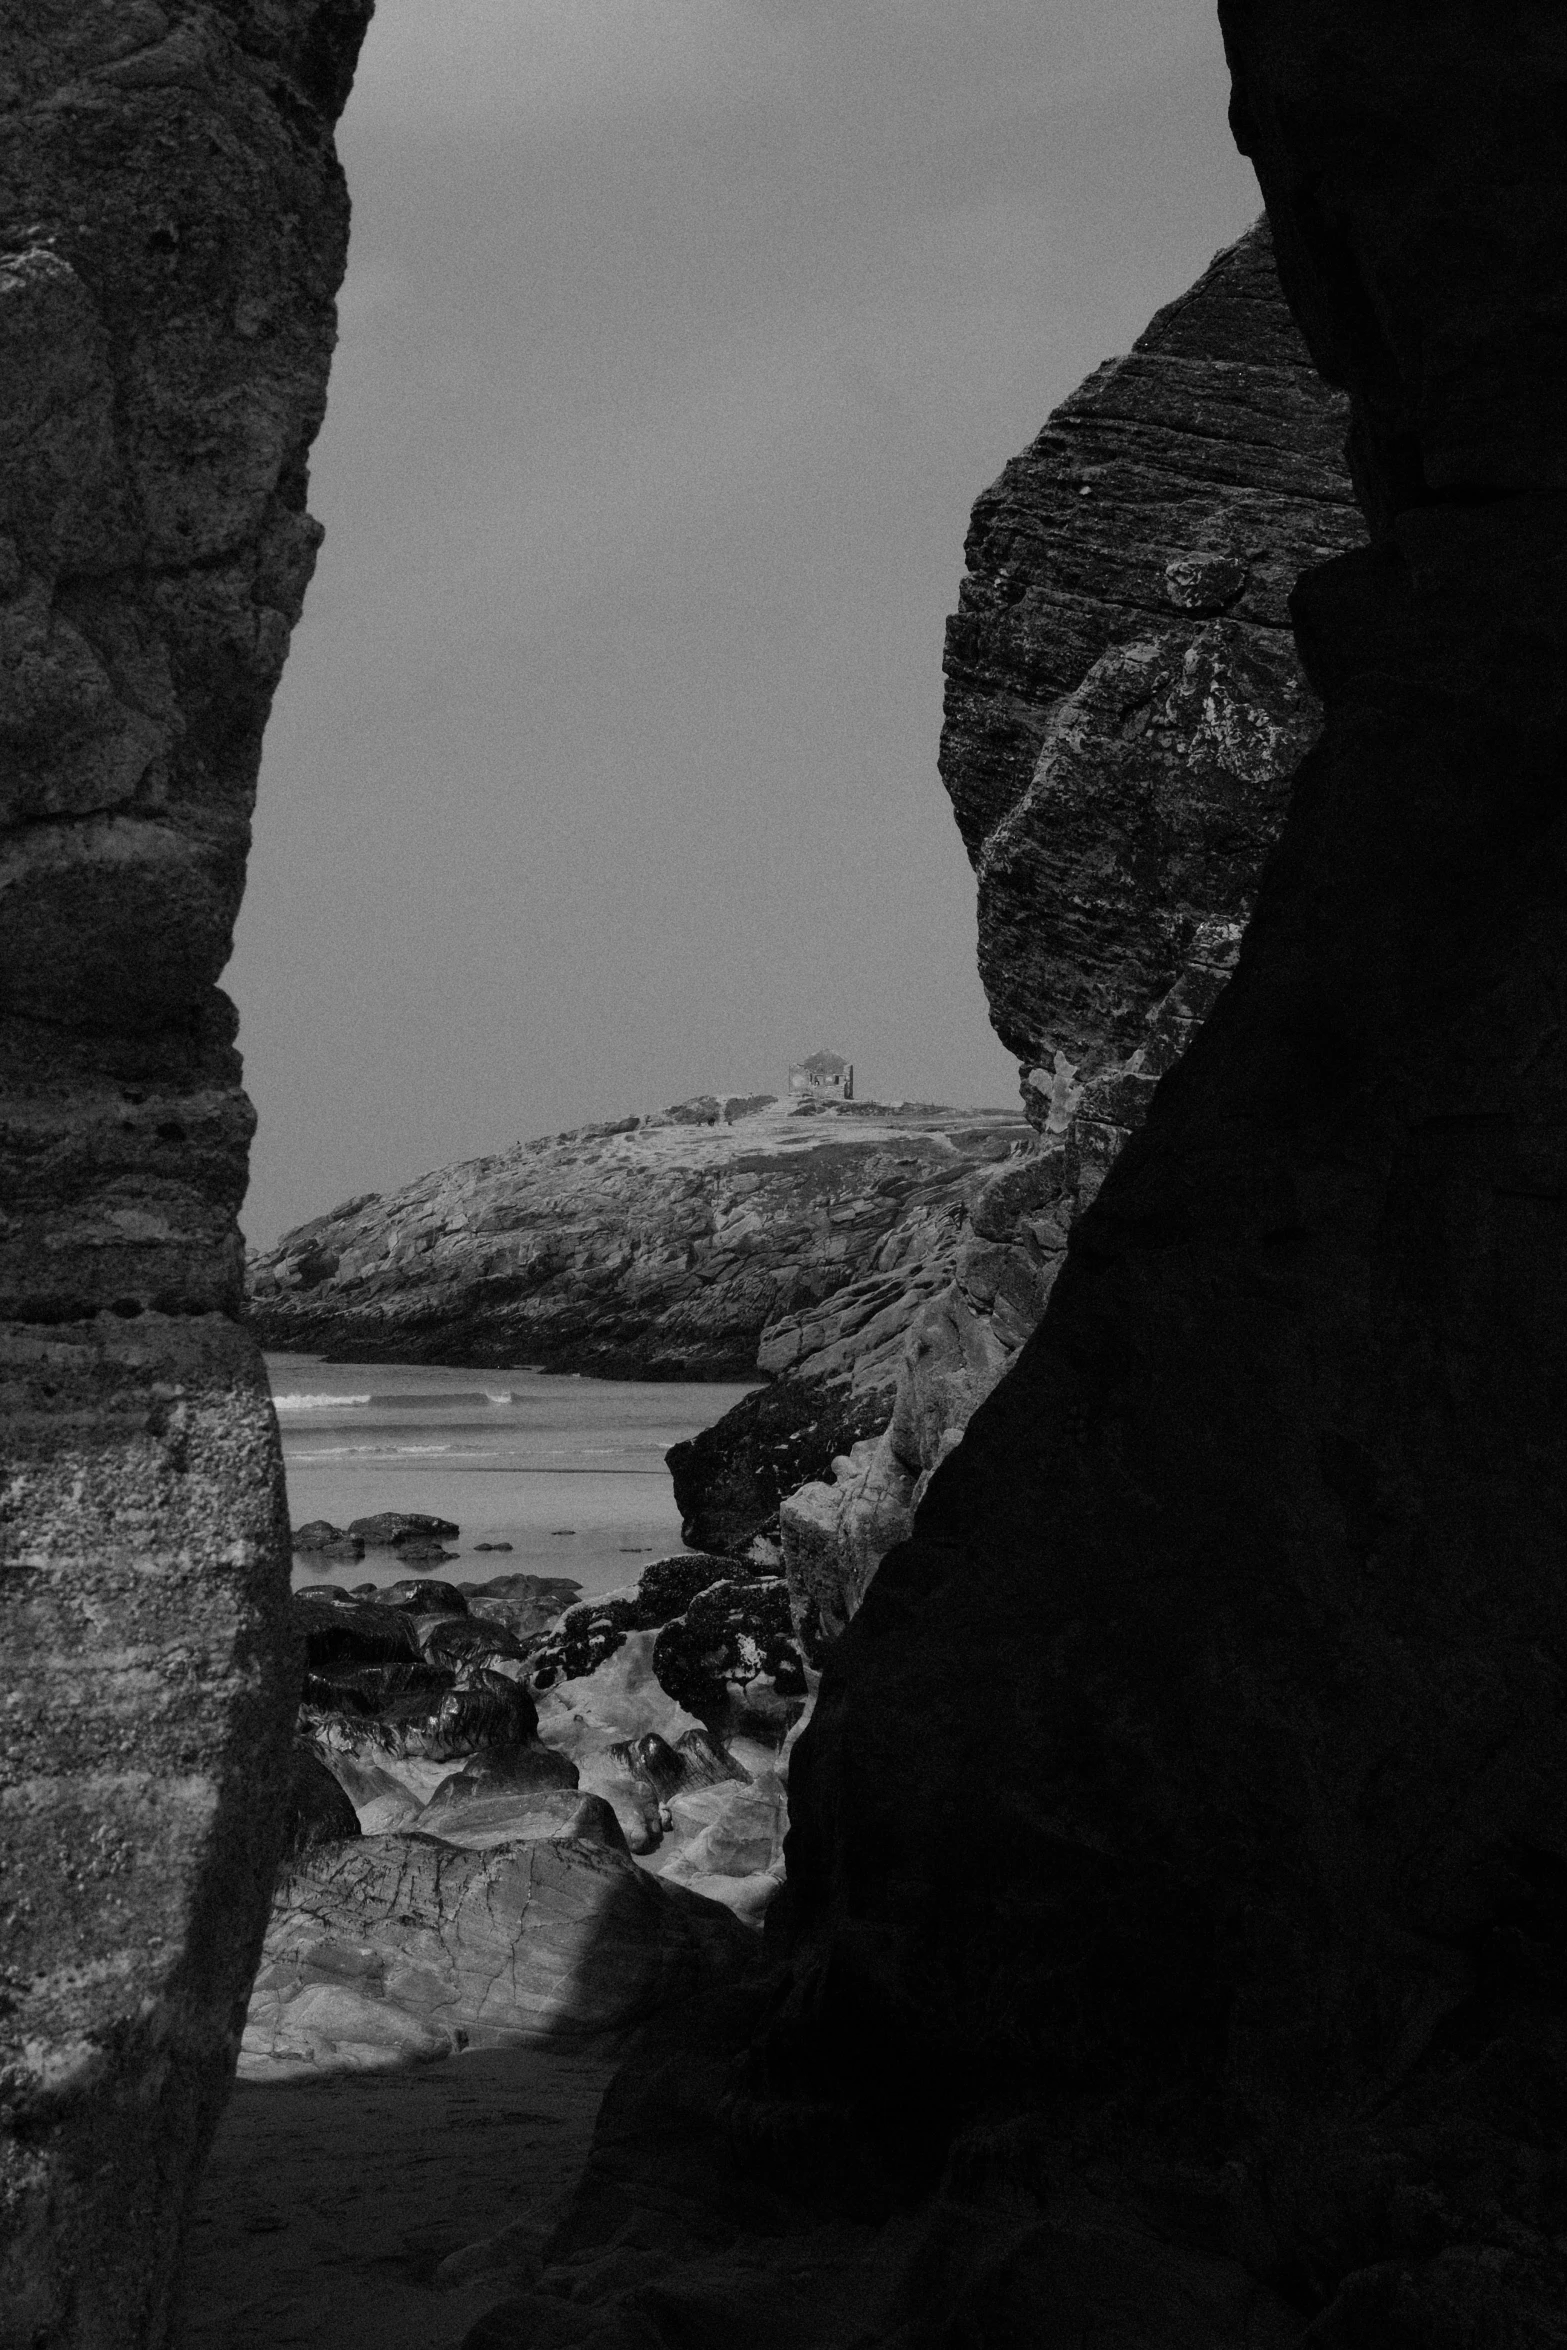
(328, 2206)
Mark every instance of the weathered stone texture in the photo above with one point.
(1125, 706)
(707, 1241)
(1124, 703)
(172, 232)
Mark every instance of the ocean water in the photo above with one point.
(569, 1471)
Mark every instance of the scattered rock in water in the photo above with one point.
(325, 1540)
(394, 1529)
(316, 1533)
(391, 1949)
(416, 1553)
(492, 1546)
(319, 1811)
(563, 1529)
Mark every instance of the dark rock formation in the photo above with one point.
(1176, 1884)
(403, 1530)
(172, 233)
(732, 1659)
(792, 1237)
(318, 1810)
(524, 1603)
(454, 1640)
(1257, 1551)
(1124, 704)
(729, 1479)
(1124, 707)
(421, 1598)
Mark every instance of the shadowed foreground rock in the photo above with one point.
(1125, 707)
(1256, 1554)
(172, 233)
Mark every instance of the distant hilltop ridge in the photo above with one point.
(727, 1237)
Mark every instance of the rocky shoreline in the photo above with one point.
(513, 1822)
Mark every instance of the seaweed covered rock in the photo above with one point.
(733, 1656)
(589, 1634)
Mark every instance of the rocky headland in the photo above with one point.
(718, 1239)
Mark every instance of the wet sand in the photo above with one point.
(328, 2206)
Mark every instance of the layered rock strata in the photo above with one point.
(172, 233)
(1125, 708)
(708, 1241)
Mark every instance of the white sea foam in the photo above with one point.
(317, 1403)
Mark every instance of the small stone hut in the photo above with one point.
(826, 1077)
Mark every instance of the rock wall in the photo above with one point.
(708, 1241)
(1125, 709)
(173, 227)
(1233, 1840)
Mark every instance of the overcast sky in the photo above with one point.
(678, 338)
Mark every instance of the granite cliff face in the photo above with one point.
(711, 1241)
(1125, 707)
(172, 232)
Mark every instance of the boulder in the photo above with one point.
(368, 1689)
(392, 1949)
(733, 1658)
(382, 1801)
(353, 1631)
(729, 1479)
(455, 1640)
(422, 1598)
(523, 1603)
(432, 1726)
(392, 1529)
(480, 1813)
